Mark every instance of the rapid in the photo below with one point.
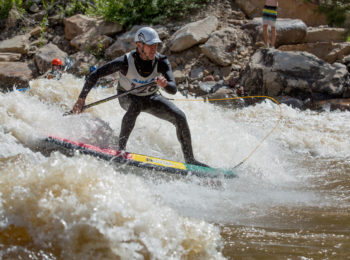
(291, 199)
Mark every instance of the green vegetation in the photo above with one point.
(126, 12)
(335, 10)
(97, 50)
(336, 15)
(78, 7)
(129, 12)
(6, 6)
(43, 27)
(47, 4)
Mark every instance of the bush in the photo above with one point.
(6, 6)
(73, 7)
(126, 12)
(130, 12)
(335, 10)
(336, 15)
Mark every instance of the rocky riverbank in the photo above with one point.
(216, 53)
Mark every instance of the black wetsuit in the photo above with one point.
(154, 104)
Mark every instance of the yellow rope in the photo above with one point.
(262, 140)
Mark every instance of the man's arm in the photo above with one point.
(119, 64)
(164, 68)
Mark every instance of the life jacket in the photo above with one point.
(133, 79)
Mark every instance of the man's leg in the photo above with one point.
(273, 36)
(164, 109)
(266, 35)
(133, 107)
(127, 126)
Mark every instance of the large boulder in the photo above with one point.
(297, 9)
(299, 74)
(82, 63)
(15, 73)
(108, 28)
(97, 38)
(6, 56)
(192, 34)
(124, 43)
(325, 34)
(91, 41)
(77, 24)
(289, 31)
(46, 54)
(327, 51)
(17, 44)
(224, 45)
(13, 17)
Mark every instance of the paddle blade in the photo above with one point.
(68, 63)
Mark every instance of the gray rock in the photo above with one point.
(289, 31)
(17, 44)
(10, 56)
(193, 34)
(298, 74)
(82, 63)
(124, 43)
(197, 73)
(46, 54)
(77, 24)
(14, 73)
(223, 46)
(34, 8)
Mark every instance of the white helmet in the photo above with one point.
(147, 35)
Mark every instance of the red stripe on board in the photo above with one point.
(108, 151)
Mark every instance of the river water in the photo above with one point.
(290, 201)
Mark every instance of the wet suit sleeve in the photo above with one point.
(119, 64)
(164, 68)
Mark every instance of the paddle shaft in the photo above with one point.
(112, 97)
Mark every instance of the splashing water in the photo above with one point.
(84, 208)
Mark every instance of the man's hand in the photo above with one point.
(78, 107)
(161, 81)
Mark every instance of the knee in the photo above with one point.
(132, 114)
(124, 104)
(180, 118)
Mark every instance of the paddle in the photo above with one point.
(68, 63)
(112, 97)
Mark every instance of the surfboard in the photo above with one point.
(139, 160)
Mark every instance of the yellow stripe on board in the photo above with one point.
(157, 161)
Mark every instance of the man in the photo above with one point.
(56, 70)
(269, 19)
(141, 66)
